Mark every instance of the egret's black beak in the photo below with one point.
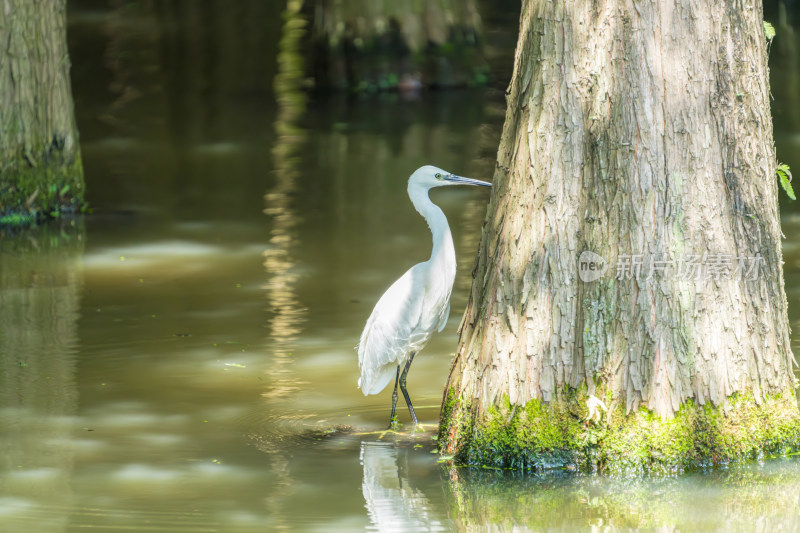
(459, 180)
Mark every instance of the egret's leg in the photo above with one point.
(405, 391)
(394, 398)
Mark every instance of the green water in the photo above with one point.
(183, 359)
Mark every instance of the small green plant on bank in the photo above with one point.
(785, 177)
(769, 31)
(783, 172)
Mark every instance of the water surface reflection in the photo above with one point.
(392, 501)
(40, 291)
(757, 497)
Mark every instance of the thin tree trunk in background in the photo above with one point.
(40, 163)
(373, 45)
(659, 150)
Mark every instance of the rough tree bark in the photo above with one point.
(373, 45)
(640, 132)
(40, 162)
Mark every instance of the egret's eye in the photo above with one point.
(438, 176)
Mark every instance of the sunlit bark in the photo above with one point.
(660, 148)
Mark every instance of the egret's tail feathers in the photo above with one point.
(375, 382)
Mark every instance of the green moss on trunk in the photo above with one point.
(560, 434)
(48, 187)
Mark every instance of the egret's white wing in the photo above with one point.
(392, 331)
(445, 316)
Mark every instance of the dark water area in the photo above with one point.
(183, 359)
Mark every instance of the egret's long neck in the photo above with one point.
(443, 249)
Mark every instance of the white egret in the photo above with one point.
(415, 305)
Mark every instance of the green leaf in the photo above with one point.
(769, 30)
(785, 176)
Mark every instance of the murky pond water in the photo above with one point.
(183, 359)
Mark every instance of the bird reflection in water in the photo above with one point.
(392, 503)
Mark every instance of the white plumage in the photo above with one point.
(418, 303)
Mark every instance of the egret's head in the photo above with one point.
(428, 177)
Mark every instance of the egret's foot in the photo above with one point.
(394, 424)
(383, 433)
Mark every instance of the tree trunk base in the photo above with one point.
(36, 190)
(368, 65)
(366, 46)
(560, 435)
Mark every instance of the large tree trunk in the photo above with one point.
(40, 163)
(639, 132)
